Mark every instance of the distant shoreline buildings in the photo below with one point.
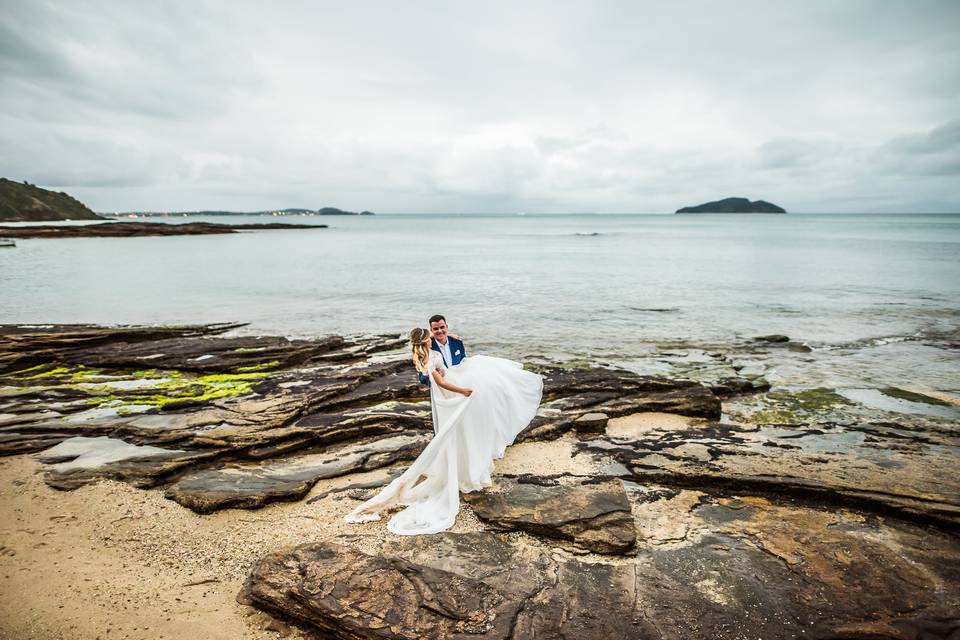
(324, 211)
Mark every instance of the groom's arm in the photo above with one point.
(423, 379)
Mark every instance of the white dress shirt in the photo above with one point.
(445, 350)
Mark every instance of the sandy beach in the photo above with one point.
(111, 561)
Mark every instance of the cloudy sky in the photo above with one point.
(819, 106)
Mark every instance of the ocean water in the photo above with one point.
(883, 291)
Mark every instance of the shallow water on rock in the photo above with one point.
(90, 453)
(879, 400)
(106, 411)
(136, 383)
(828, 442)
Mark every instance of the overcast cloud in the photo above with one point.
(823, 106)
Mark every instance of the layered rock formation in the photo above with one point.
(640, 512)
(764, 573)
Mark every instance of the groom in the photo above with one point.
(450, 349)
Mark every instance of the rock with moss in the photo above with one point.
(797, 407)
(914, 396)
(243, 401)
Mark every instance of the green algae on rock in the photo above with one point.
(167, 388)
(913, 396)
(785, 407)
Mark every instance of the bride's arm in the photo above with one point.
(438, 378)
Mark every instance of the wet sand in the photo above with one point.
(111, 561)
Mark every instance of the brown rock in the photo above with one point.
(877, 467)
(769, 578)
(248, 486)
(593, 422)
(594, 517)
(774, 337)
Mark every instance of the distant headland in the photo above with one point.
(25, 202)
(323, 211)
(734, 205)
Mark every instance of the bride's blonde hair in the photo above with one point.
(421, 353)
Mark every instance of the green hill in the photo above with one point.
(24, 202)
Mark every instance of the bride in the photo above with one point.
(479, 407)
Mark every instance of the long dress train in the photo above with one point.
(470, 433)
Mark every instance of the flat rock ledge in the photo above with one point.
(880, 467)
(251, 485)
(243, 421)
(487, 585)
(592, 516)
(132, 229)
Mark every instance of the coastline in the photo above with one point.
(139, 229)
(171, 480)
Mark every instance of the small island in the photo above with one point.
(25, 202)
(734, 205)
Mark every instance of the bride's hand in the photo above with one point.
(467, 392)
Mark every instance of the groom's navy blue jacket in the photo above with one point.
(457, 353)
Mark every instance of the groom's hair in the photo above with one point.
(436, 318)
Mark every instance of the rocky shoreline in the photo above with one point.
(137, 229)
(633, 506)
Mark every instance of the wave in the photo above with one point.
(866, 343)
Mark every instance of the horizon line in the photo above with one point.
(513, 213)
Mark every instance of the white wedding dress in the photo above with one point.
(469, 434)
